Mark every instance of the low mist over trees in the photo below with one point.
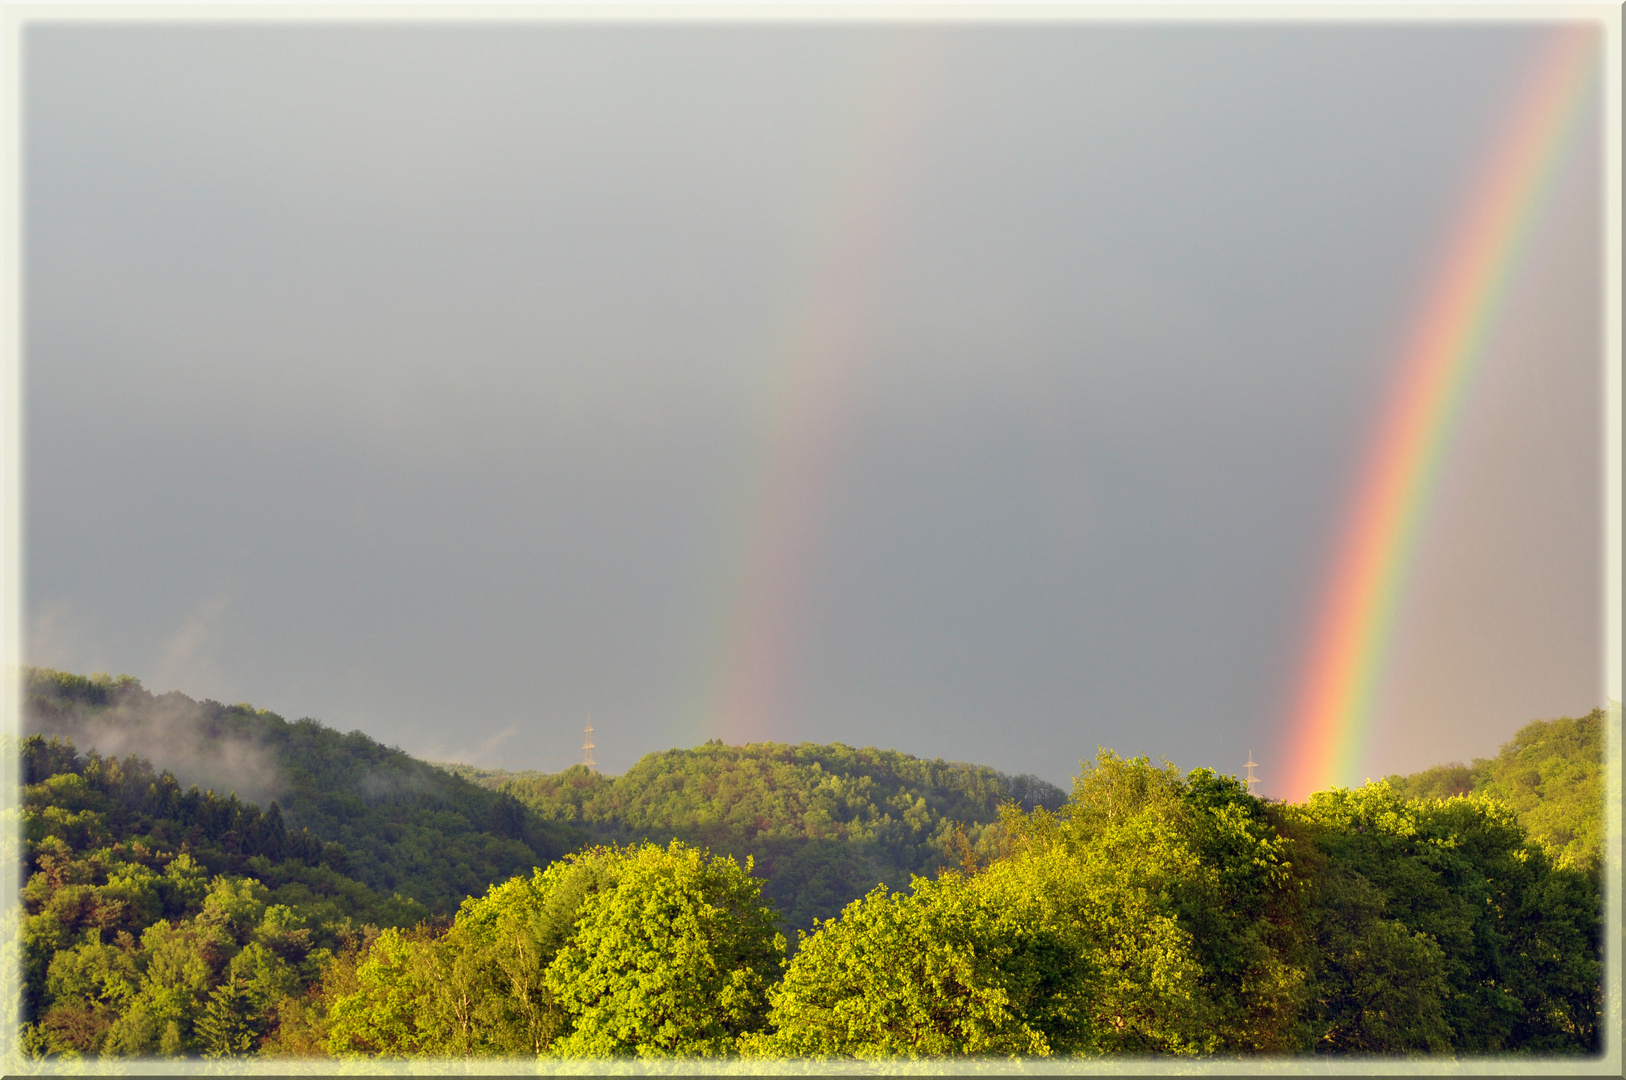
(156, 921)
(400, 825)
(1152, 911)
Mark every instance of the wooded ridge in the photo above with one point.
(382, 906)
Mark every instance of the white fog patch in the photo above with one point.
(176, 734)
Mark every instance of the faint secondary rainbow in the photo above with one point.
(1332, 716)
(784, 501)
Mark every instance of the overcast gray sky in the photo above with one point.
(987, 392)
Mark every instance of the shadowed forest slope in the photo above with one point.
(1151, 912)
(822, 824)
(401, 826)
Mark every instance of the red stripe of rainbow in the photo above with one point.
(761, 639)
(1331, 721)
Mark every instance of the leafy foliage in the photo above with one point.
(1442, 927)
(641, 951)
(1169, 914)
(1151, 912)
(823, 824)
(673, 955)
(931, 973)
(397, 824)
(141, 934)
(1550, 773)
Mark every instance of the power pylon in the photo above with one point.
(587, 748)
(1251, 779)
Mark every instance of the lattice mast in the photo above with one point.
(587, 748)
(1251, 779)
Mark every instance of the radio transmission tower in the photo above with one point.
(1251, 779)
(587, 748)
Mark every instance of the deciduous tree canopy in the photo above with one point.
(1151, 912)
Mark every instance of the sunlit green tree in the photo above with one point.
(672, 955)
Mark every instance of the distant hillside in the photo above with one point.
(1550, 773)
(1152, 912)
(147, 907)
(403, 826)
(824, 824)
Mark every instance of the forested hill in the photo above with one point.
(1550, 773)
(400, 825)
(823, 823)
(1154, 912)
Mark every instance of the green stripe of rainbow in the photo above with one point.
(1331, 722)
(759, 639)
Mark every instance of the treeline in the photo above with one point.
(398, 825)
(822, 824)
(161, 921)
(1153, 913)
(959, 911)
(86, 802)
(1550, 773)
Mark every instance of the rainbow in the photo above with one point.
(815, 373)
(1331, 719)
